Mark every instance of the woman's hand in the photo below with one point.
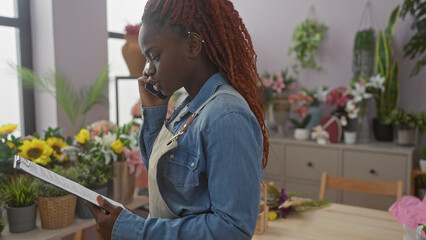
(104, 221)
(147, 98)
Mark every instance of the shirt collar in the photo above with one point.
(208, 89)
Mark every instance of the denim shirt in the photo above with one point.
(212, 179)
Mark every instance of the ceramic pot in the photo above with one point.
(301, 134)
(422, 164)
(281, 111)
(132, 55)
(316, 117)
(382, 132)
(81, 208)
(349, 137)
(21, 219)
(406, 137)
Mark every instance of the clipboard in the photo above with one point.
(59, 181)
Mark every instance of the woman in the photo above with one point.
(205, 161)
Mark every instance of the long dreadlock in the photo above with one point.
(227, 44)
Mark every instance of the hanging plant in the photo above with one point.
(306, 39)
(363, 54)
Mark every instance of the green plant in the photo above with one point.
(303, 123)
(363, 54)
(306, 39)
(402, 119)
(44, 189)
(19, 192)
(94, 173)
(423, 152)
(387, 67)
(2, 225)
(74, 103)
(416, 46)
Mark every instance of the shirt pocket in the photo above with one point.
(182, 168)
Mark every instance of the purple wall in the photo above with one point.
(271, 24)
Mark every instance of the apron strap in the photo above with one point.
(188, 122)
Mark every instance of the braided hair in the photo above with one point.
(227, 44)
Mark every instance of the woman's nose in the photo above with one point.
(149, 68)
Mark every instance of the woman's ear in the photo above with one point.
(195, 44)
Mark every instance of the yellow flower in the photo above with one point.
(57, 144)
(83, 136)
(117, 146)
(10, 144)
(37, 151)
(272, 215)
(8, 128)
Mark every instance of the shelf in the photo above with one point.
(47, 234)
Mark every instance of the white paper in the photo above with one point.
(58, 180)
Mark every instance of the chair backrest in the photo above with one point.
(362, 186)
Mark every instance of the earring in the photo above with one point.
(196, 36)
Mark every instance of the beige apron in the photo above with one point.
(165, 142)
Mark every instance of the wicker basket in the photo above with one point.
(57, 212)
(262, 218)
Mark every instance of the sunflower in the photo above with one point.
(57, 144)
(8, 128)
(37, 151)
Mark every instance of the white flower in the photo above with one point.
(359, 92)
(377, 82)
(321, 94)
(352, 109)
(106, 140)
(343, 121)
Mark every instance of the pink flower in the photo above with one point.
(278, 85)
(301, 110)
(105, 125)
(134, 159)
(267, 82)
(132, 29)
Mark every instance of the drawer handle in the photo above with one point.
(372, 171)
(310, 164)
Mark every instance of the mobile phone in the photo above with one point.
(150, 88)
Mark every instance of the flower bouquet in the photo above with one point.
(275, 85)
(9, 146)
(281, 203)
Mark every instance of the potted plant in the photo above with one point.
(306, 39)
(56, 206)
(349, 122)
(19, 196)
(406, 122)
(9, 146)
(416, 46)
(318, 96)
(300, 103)
(386, 98)
(423, 159)
(93, 174)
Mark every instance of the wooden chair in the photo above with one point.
(362, 186)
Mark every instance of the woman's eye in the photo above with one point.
(156, 57)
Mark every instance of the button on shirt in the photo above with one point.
(212, 179)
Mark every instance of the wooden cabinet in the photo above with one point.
(297, 167)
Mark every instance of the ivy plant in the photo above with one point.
(306, 39)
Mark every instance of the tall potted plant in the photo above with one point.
(19, 196)
(386, 67)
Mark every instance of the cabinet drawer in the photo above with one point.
(309, 162)
(275, 162)
(374, 166)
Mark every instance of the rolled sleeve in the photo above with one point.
(128, 226)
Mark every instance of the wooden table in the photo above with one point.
(336, 221)
(79, 224)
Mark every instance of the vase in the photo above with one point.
(281, 110)
(301, 134)
(316, 117)
(21, 219)
(132, 55)
(363, 129)
(382, 132)
(122, 187)
(81, 208)
(57, 212)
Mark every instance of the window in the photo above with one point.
(119, 14)
(17, 105)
